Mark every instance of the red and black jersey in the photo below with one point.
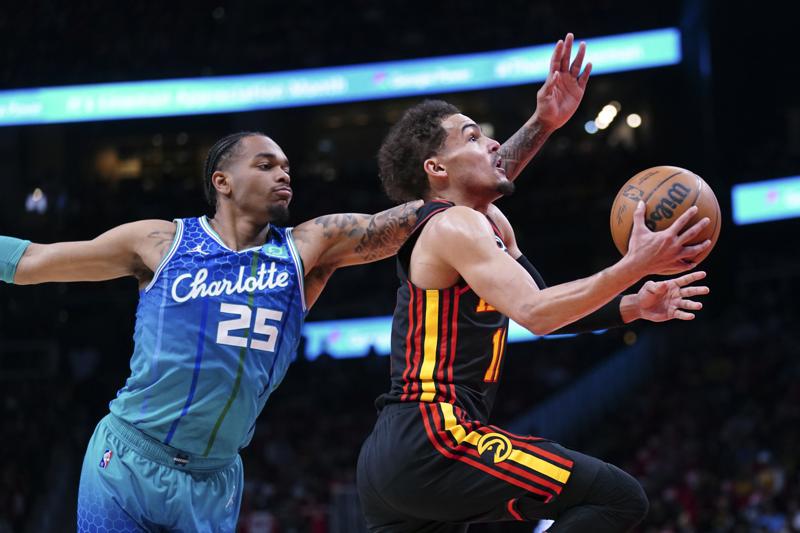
(447, 344)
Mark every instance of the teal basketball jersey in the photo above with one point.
(215, 332)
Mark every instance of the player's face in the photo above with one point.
(472, 159)
(260, 178)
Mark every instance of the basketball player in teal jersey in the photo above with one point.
(222, 301)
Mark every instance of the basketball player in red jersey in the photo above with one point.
(433, 463)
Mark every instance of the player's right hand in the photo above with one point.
(668, 250)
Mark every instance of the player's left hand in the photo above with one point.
(659, 301)
(563, 90)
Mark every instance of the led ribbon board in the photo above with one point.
(763, 201)
(357, 337)
(228, 94)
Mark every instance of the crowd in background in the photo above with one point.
(714, 441)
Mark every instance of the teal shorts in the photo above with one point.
(133, 483)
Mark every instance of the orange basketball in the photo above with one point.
(667, 193)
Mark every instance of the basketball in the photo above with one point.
(667, 192)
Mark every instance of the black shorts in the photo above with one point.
(427, 467)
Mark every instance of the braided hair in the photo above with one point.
(219, 156)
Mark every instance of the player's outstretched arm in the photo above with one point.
(332, 241)
(556, 102)
(656, 301)
(501, 281)
(133, 249)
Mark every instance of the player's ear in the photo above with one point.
(434, 168)
(221, 182)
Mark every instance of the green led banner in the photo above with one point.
(229, 94)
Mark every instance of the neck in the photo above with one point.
(238, 230)
(478, 204)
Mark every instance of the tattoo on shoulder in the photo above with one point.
(373, 236)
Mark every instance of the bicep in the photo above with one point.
(114, 254)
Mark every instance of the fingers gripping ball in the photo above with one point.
(667, 192)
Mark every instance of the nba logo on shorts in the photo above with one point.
(106, 458)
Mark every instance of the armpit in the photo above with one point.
(315, 282)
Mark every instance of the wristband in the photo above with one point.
(11, 250)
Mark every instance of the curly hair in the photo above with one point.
(416, 137)
(223, 151)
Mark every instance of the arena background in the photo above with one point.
(705, 414)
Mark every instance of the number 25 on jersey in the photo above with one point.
(267, 333)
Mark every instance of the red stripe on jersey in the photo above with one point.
(404, 396)
(440, 385)
(460, 456)
(411, 383)
(416, 364)
(453, 341)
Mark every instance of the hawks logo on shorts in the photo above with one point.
(106, 458)
(497, 443)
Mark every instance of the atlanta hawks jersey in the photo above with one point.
(447, 344)
(215, 332)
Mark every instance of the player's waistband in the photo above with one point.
(156, 451)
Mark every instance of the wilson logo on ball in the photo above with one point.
(665, 208)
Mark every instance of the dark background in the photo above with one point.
(712, 434)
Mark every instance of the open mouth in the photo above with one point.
(499, 164)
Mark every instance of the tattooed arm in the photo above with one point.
(522, 146)
(133, 249)
(332, 241)
(556, 102)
